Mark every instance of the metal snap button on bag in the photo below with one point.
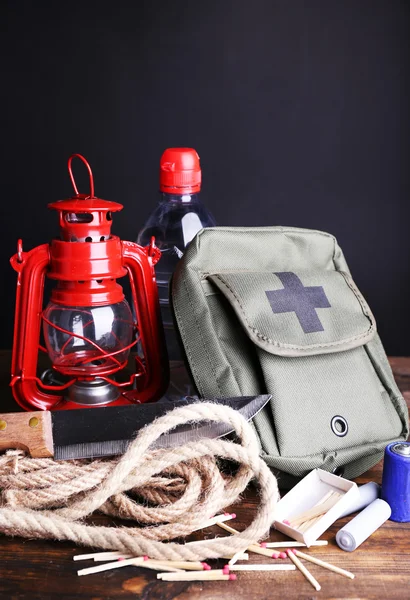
(339, 426)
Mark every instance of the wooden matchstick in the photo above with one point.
(316, 511)
(189, 577)
(262, 551)
(235, 557)
(215, 520)
(113, 557)
(98, 555)
(214, 575)
(304, 525)
(304, 570)
(227, 527)
(241, 556)
(292, 544)
(254, 567)
(313, 512)
(307, 524)
(182, 564)
(326, 497)
(324, 564)
(112, 565)
(207, 574)
(149, 564)
(252, 547)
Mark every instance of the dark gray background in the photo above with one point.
(299, 111)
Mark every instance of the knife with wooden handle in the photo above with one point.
(107, 431)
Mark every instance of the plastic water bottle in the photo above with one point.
(178, 217)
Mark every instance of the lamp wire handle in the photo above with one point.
(70, 172)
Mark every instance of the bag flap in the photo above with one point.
(298, 313)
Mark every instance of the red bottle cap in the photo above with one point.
(180, 171)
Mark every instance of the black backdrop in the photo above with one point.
(299, 111)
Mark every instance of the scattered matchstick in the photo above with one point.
(254, 567)
(227, 528)
(262, 551)
(183, 564)
(112, 565)
(304, 570)
(190, 577)
(214, 575)
(324, 564)
(253, 547)
(113, 557)
(99, 555)
(143, 562)
(292, 544)
(149, 564)
(235, 557)
(215, 520)
(241, 556)
(206, 574)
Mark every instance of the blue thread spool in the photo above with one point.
(396, 480)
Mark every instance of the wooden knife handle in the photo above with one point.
(30, 431)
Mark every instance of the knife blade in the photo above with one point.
(108, 431)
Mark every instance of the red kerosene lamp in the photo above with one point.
(88, 325)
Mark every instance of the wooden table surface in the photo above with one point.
(43, 570)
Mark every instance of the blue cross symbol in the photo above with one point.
(295, 297)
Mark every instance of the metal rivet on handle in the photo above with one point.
(3, 425)
(33, 422)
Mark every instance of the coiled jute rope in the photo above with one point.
(168, 492)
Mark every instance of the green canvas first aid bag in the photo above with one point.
(275, 310)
